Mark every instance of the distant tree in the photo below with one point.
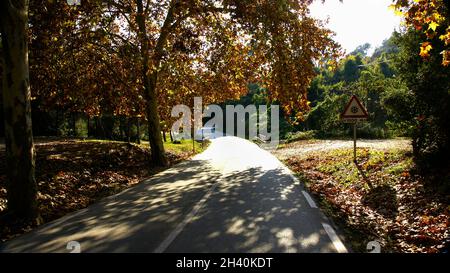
(372, 79)
(352, 68)
(316, 90)
(361, 49)
(348, 70)
(387, 47)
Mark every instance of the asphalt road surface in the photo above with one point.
(234, 197)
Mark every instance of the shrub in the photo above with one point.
(295, 136)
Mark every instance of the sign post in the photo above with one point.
(354, 141)
(354, 111)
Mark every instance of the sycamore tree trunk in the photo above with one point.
(150, 76)
(128, 129)
(21, 183)
(138, 127)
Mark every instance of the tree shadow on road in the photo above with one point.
(134, 220)
(254, 210)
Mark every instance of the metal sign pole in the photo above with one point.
(354, 142)
(193, 136)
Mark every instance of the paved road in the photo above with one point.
(234, 197)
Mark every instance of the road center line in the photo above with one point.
(169, 239)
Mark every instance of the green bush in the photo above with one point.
(366, 130)
(426, 104)
(400, 128)
(295, 136)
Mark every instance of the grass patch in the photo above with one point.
(185, 146)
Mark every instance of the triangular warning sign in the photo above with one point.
(354, 109)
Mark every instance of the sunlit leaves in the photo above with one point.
(430, 17)
(425, 49)
(433, 25)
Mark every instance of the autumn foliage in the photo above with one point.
(86, 58)
(430, 17)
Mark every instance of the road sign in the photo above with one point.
(354, 111)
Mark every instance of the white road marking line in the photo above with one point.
(310, 201)
(337, 243)
(308, 198)
(169, 239)
(335, 239)
(294, 178)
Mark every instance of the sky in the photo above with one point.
(358, 21)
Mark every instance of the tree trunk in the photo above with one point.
(154, 130)
(193, 137)
(171, 137)
(138, 131)
(158, 156)
(88, 126)
(73, 121)
(97, 130)
(128, 129)
(21, 183)
(2, 128)
(107, 122)
(123, 127)
(57, 123)
(164, 136)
